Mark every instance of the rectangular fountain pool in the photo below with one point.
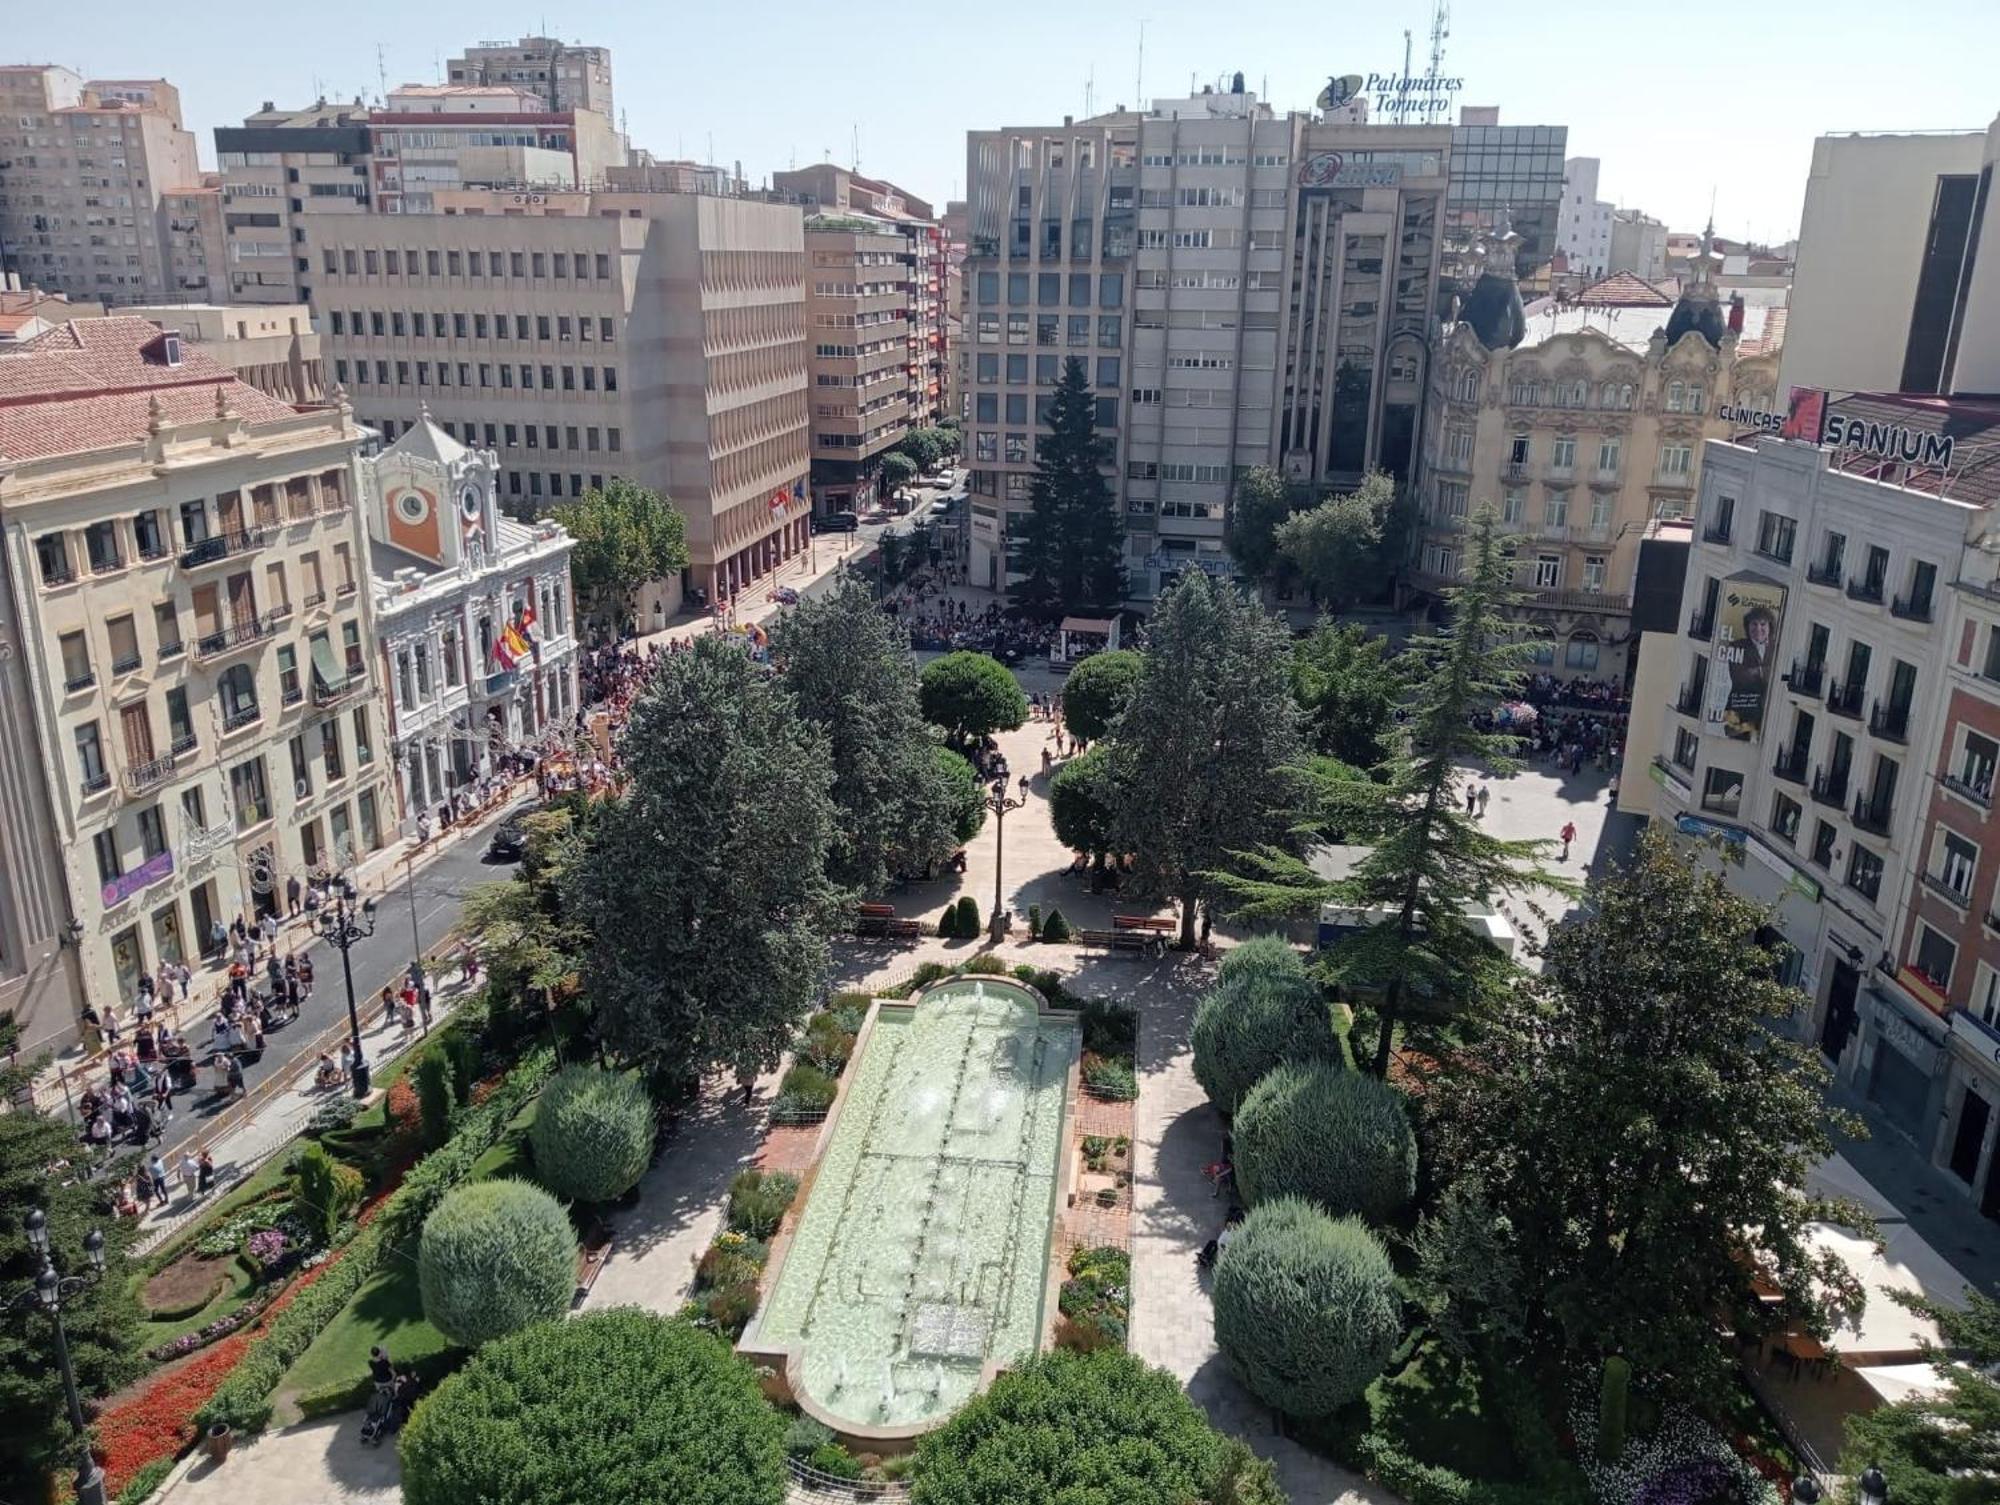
(923, 1249)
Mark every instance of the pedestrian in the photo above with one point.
(190, 1173)
(424, 1004)
(408, 1001)
(142, 1002)
(142, 1186)
(163, 1091)
(1471, 799)
(388, 1002)
(156, 1169)
(1484, 795)
(235, 1071)
(306, 976)
(1568, 836)
(293, 891)
(110, 1025)
(204, 1174)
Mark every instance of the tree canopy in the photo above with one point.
(1335, 544)
(898, 470)
(1348, 685)
(625, 536)
(1263, 499)
(1206, 740)
(1096, 691)
(971, 695)
(848, 671)
(1083, 803)
(1941, 1448)
(704, 892)
(1073, 543)
(1645, 1130)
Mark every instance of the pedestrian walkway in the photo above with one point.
(316, 1463)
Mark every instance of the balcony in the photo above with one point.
(54, 575)
(1845, 700)
(1873, 814)
(1702, 625)
(1830, 789)
(108, 564)
(96, 783)
(1556, 599)
(222, 546)
(237, 635)
(1981, 794)
(1827, 574)
(140, 777)
(1805, 679)
(1514, 471)
(1791, 765)
(1865, 590)
(1944, 890)
(76, 682)
(1911, 609)
(1688, 702)
(241, 717)
(1715, 533)
(183, 746)
(331, 695)
(1889, 722)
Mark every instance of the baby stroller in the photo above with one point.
(389, 1408)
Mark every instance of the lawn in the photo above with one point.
(152, 1334)
(1435, 1409)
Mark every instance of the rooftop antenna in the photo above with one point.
(382, 72)
(711, 149)
(1089, 89)
(855, 131)
(1139, 82)
(437, 66)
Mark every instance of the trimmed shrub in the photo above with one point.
(986, 964)
(1055, 928)
(1034, 922)
(495, 1256)
(1306, 1309)
(463, 1048)
(804, 1095)
(1263, 1009)
(332, 1114)
(835, 1461)
(1075, 1426)
(1337, 1138)
(947, 925)
(1111, 1080)
(803, 1435)
(323, 1191)
(968, 918)
(434, 1096)
(1613, 1388)
(758, 1200)
(593, 1134)
(617, 1405)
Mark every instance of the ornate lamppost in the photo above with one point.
(999, 803)
(344, 924)
(47, 1295)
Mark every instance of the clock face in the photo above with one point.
(468, 504)
(412, 506)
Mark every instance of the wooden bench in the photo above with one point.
(590, 1262)
(876, 911)
(1147, 941)
(1155, 925)
(880, 920)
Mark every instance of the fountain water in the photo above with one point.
(888, 1390)
(839, 1374)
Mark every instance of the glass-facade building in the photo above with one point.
(1518, 168)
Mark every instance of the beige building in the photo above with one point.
(26, 312)
(87, 169)
(660, 337)
(858, 291)
(273, 348)
(567, 76)
(197, 248)
(1580, 425)
(186, 572)
(432, 139)
(278, 167)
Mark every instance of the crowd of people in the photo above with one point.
(1543, 691)
(944, 625)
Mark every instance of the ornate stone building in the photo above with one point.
(1579, 423)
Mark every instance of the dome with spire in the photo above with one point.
(1493, 307)
(1699, 308)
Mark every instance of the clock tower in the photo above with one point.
(434, 499)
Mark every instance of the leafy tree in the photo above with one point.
(1095, 694)
(1100, 1426)
(971, 695)
(704, 892)
(1466, 1276)
(848, 672)
(1422, 962)
(1639, 1121)
(1348, 686)
(922, 447)
(898, 470)
(1074, 540)
(1262, 501)
(1941, 1448)
(964, 796)
(1335, 545)
(593, 1133)
(613, 1405)
(1083, 804)
(494, 1257)
(101, 1321)
(1205, 740)
(625, 536)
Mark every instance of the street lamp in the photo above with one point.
(1805, 1490)
(998, 802)
(50, 1290)
(1874, 1488)
(340, 923)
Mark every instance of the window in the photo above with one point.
(238, 693)
(100, 546)
(1513, 505)
(52, 553)
(1676, 461)
(1864, 872)
(1581, 653)
(110, 862)
(1785, 815)
(289, 689)
(249, 793)
(329, 749)
(1548, 571)
(1822, 845)
(364, 747)
(1562, 454)
(1517, 450)
(1976, 762)
(1935, 958)
(1776, 534)
(1555, 511)
(90, 758)
(1686, 747)
(302, 784)
(77, 673)
(1956, 861)
(124, 636)
(1608, 455)
(150, 535)
(1722, 791)
(1593, 573)
(180, 723)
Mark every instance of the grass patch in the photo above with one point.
(389, 1310)
(152, 1334)
(1436, 1409)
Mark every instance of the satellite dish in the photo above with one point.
(1339, 91)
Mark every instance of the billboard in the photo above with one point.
(1749, 620)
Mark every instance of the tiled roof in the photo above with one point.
(89, 384)
(1973, 424)
(1624, 290)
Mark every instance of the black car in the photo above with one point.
(836, 522)
(507, 844)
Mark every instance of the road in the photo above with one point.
(379, 959)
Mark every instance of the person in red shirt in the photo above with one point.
(1568, 836)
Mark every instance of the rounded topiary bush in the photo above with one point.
(1263, 1009)
(593, 1133)
(1337, 1138)
(494, 1257)
(1306, 1309)
(617, 1405)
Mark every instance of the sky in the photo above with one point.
(1683, 106)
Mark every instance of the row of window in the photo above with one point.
(111, 544)
(578, 266)
(590, 377)
(1050, 329)
(397, 324)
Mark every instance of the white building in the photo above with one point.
(1583, 233)
(1638, 245)
(473, 616)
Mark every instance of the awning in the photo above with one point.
(1894, 1382)
(328, 677)
(1097, 625)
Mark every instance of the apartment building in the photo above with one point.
(1832, 724)
(566, 75)
(87, 168)
(430, 139)
(276, 168)
(185, 571)
(1215, 267)
(1579, 424)
(271, 347)
(1638, 245)
(197, 247)
(859, 282)
(1583, 226)
(472, 614)
(660, 337)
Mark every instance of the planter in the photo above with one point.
(219, 1441)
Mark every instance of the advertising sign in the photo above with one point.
(1812, 419)
(1804, 413)
(1331, 170)
(151, 871)
(1748, 621)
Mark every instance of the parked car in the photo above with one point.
(507, 843)
(784, 595)
(836, 522)
(941, 507)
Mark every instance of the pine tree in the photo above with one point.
(1421, 961)
(1073, 542)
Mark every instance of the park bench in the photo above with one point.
(1150, 924)
(590, 1262)
(1140, 941)
(880, 920)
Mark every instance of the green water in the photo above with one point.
(923, 1249)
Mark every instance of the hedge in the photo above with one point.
(593, 1134)
(1335, 1137)
(1264, 1010)
(243, 1401)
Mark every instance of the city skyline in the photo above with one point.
(1745, 150)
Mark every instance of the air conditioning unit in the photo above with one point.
(302, 790)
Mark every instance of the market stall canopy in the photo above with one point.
(1894, 1382)
(1886, 1332)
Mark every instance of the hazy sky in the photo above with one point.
(1678, 101)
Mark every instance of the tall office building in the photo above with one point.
(1242, 289)
(567, 76)
(1583, 228)
(659, 337)
(1886, 261)
(1504, 177)
(87, 169)
(276, 168)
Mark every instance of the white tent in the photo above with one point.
(1885, 1332)
(1894, 1382)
